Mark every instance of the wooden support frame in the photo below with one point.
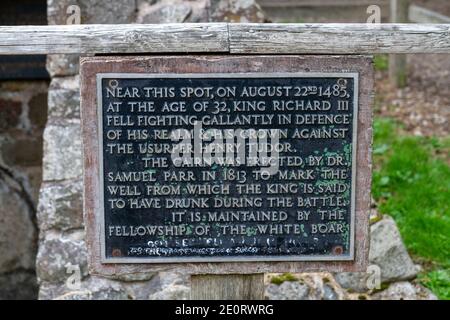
(90, 67)
(238, 38)
(227, 287)
(228, 39)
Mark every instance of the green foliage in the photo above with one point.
(411, 182)
(381, 62)
(282, 278)
(438, 281)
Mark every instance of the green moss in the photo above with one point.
(383, 286)
(282, 278)
(375, 219)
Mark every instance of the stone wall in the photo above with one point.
(61, 258)
(390, 275)
(23, 114)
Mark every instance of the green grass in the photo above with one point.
(381, 62)
(438, 282)
(411, 182)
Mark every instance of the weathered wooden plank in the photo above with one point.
(228, 287)
(339, 38)
(421, 15)
(222, 37)
(125, 38)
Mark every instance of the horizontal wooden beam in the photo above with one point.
(226, 38)
(339, 38)
(116, 38)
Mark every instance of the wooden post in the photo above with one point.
(227, 287)
(397, 63)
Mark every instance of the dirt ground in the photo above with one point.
(424, 104)
(441, 6)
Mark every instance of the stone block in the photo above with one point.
(60, 65)
(60, 205)
(62, 152)
(175, 292)
(92, 11)
(96, 288)
(288, 290)
(32, 179)
(389, 253)
(10, 111)
(37, 110)
(176, 11)
(307, 286)
(353, 281)
(405, 291)
(171, 286)
(64, 99)
(19, 285)
(17, 232)
(22, 151)
(56, 252)
(236, 11)
(167, 11)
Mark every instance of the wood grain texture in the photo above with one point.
(339, 38)
(222, 64)
(236, 38)
(118, 38)
(227, 287)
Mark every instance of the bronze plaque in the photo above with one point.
(238, 166)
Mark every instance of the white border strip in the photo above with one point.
(100, 213)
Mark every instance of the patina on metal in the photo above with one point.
(303, 212)
(115, 91)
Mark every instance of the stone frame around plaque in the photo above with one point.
(210, 66)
